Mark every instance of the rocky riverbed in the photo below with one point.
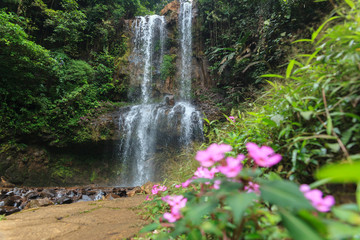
(15, 199)
(95, 220)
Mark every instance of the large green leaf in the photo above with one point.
(271, 76)
(284, 194)
(346, 215)
(198, 211)
(150, 227)
(195, 234)
(340, 230)
(350, 3)
(297, 228)
(290, 68)
(313, 221)
(239, 202)
(211, 228)
(341, 173)
(307, 114)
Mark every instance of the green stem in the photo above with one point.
(358, 195)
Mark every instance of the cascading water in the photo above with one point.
(150, 128)
(149, 49)
(185, 20)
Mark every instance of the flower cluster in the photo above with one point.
(252, 187)
(315, 197)
(157, 188)
(202, 172)
(213, 161)
(176, 203)
(232, 166)
(214, 156)
(214, 153)
(263, 156)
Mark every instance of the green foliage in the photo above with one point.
(67, 25)
(244, 39)
(74, 73)
(25, 68)
(232, 212)
(45, 93)
(279, 210)
(168, 68)
(312, 117)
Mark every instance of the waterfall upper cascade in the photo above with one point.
(152, 127)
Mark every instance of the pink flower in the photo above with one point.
(233, 166)
(264, 156)
(202, 172)
(171, 217)
(186, 183)
(232, 118)
(148, 198)
(178, 186)
(217, 184)
(304, 188)
(176, 203)
(156, 189)
(212, 154)
(315, 197)
(162, 188)
(252, 187)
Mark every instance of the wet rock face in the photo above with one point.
(21, 165)
(171, 12)
(13, 200)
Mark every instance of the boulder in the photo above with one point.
(6, 184)
(31, 194)
(13, 200)
(134, 191)
(112, 196)
(7, 210)
(39, 203)
(120, 192)
(146, 188)
(49, 193)
(170, 100)
(85, 198)
(64, 200)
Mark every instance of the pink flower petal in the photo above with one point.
(304, 188)
(170, 217)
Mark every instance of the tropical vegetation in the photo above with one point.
(306, 122)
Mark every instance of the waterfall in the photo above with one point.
(149, 49)
(185, 19)
(150, 128)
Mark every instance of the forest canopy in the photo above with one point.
(58, 61)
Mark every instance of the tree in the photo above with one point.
(25, 68)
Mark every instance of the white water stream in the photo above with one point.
(150, 127)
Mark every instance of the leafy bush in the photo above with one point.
(74, 73)
(168, 68)
(312, 115)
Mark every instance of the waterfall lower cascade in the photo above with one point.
(150, 128)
